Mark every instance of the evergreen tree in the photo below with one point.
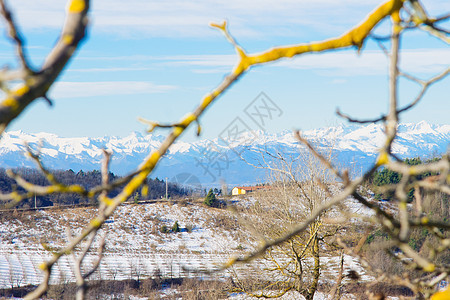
(386, 177)
(210, 199)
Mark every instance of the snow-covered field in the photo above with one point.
(135, 244)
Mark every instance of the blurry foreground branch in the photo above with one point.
(36, 83)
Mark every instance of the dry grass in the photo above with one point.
(185, 288)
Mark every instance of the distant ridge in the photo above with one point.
(210, 161)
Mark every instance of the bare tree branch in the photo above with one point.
(16, 37)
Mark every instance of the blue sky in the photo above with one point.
(156, 59)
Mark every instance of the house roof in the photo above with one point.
(249, 188)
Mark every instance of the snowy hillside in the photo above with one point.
(209, 161)
(134, 242)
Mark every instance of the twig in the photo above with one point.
(16, 37)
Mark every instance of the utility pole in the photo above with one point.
(166, 190)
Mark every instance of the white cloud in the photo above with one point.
(371, 62)
(110, 69)
(425, 60)
(349, 63)
(199, 60)
(65, 89)
(338, 81)
(204, 63)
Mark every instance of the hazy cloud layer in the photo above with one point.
(191, 18)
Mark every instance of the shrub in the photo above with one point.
(189, 228)
(240, 247)
(164, 229)
(176, 227)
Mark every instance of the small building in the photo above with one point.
(242, 190)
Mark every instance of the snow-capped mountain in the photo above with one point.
(229, 159)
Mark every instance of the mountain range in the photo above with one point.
(231, 159)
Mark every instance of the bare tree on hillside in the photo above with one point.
(404, 16)
(298, 186)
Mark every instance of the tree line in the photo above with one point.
(385, 176)
(87, 179)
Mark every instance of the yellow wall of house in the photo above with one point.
(235, 191)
